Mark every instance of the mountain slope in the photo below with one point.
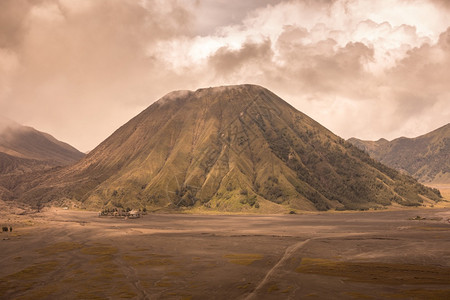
(12, 165)
(28, 143)
(236, 148)
(427, 157)
(24, 151)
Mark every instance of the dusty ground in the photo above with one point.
(63, 254)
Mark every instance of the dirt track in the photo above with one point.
(65, 254)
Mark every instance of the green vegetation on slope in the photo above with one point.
(238, 148)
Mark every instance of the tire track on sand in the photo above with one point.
(287, 254)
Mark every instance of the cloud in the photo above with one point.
(353, 56)
(79, 69)
(240, 62)
(12, 22)
(442, 4)
(213, 14)
(419, 84)
(73, 67)
(324, 67)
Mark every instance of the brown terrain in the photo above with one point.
(426, 157)
(65, 254)
(229, 149)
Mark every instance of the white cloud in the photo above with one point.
(311, 56)
(389, 27)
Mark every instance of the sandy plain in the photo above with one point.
(66, 254)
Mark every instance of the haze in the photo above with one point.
(79, 69)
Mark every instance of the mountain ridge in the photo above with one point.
(25, 151)
(28, 143)
(426, 157)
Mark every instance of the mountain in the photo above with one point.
(27, 143)
(235, 148)
(426, 158)
(25, 152)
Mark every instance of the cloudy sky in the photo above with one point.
(78, 69)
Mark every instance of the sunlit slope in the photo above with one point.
(236, 148)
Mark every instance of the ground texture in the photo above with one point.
(63, 254)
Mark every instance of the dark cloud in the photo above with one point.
(227, 61)
(321, 67)
(335, 71)
(212, 14)
(444, 40)
(12, 22)
(443, 3)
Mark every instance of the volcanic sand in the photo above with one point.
(65, 254)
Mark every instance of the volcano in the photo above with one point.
(233, 148)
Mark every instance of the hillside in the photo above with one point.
(236, 148)
(27, 143)
(427, 157)
(12, 165)
(24, 151)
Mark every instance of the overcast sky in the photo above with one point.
(79, 69)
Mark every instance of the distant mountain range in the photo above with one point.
(24, 150)
(427, 157)
(235, 148)
(27, 143)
